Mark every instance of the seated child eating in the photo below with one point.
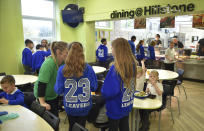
(11, 95)
(154, 88)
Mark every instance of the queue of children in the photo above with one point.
(31, 60)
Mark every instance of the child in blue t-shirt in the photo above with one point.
(10, 95)
(119, 85)
(27, 56)
(102, 53)
(76, 80)
(39, 57)
(132, 44)
(140, 51)
(151, 52)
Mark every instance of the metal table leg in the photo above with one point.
(137, 120)
(133, 120)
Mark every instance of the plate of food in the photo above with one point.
(141, 94)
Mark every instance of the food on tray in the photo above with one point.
(141, 94)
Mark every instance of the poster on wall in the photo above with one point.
(140, 23)
(96, 35)
(112, 35)
(107, 35)
(101, 34)
(167, 22)
(198, 21)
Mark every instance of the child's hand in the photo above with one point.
(143, 60)
(4, 101)
(147, 90)
(47, 106)
(154, 83)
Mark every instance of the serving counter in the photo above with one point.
(193, 69)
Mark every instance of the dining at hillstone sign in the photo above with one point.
(153, 10)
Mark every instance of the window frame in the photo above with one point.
(53, 20)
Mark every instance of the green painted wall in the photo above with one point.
(11, 37)
(64, 32)
(83, 33)
(101, 9)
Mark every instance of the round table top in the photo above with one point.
(147, 103)
(98, 69)
(23, 79)
(163, 74)
(27, 120)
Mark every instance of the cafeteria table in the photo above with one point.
(27, 120)
(146, 103)
(150, 103)
(98, 69)
(23, 79)
(163, 74)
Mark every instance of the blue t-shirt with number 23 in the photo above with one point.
(77, 91)
(119, 98)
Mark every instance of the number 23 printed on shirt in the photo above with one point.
(101, 53)
(128, 94)
(72, 84)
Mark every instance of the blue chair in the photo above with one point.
(180, 81)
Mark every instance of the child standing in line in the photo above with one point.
(27, 56)
(170, 57)
(154, 88)
(44, 87)
(140, 51)
(39, 57)
(102, 53)
(76, 80)
(11, 95)
(141, 72)
(132, 44)
(119, 85)
(44, 44)
(151, 51)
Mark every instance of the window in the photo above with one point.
(38, 20)
(127, 24)
(103, 25)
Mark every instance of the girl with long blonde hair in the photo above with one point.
(119, 85)
(76, 79)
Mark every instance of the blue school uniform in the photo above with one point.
(102, 53)
(141, 54)
(15, 98)
(38, 58)
(151, 53)
(27, 57)
(119, 99)
(77, 91)
(132, 45)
